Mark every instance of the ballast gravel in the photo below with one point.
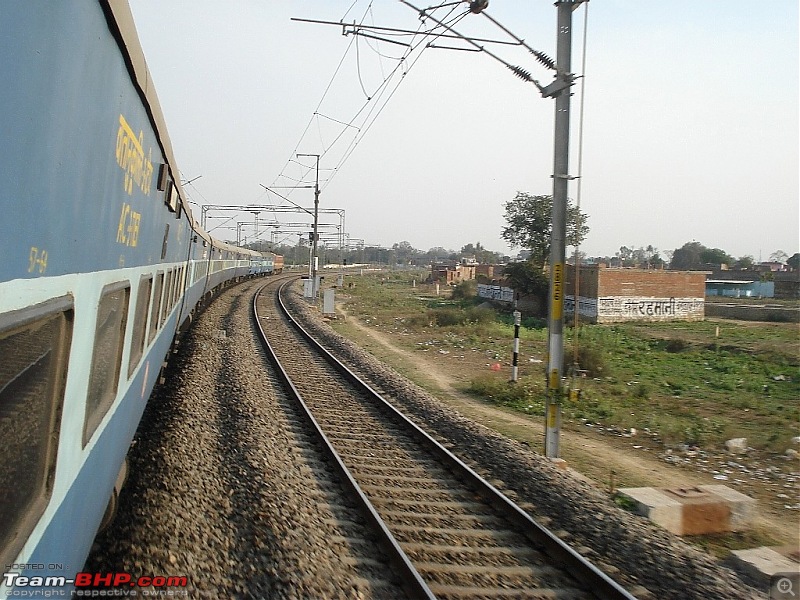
(214, 491)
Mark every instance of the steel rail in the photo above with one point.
(411, 578)
(597, 582)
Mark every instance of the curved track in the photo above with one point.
(449, 533)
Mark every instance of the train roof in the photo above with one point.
(122, 20)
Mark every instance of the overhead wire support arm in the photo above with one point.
(357, 30)
(517, 70)
(287, 199)
(435, 47)
(540, 56)
(380, 39)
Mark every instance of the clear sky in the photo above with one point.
(691, 118)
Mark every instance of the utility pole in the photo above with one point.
(315, 235)
(560, 90)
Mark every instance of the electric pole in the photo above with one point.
(314, 235)
(560, 90)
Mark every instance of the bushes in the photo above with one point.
(527, 394)
(449, 316)
(590, 359)
(465, 290)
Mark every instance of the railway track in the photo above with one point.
(448, 533)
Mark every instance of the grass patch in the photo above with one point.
(526, 395)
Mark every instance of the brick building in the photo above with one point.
(612, 295)
(489, 271)
(451, 274)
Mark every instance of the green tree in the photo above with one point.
(404, 252)
(687, 256)
(794, 261)
(779, 256)
(695, 256)
(745, 262)
(530, 226)
(438, 254)
(527, 278)
(481, 254)
(715, 256)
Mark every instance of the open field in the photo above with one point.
(657, 401)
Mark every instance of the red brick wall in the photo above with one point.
(650, 284)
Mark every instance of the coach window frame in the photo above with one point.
(155, 310)
(46, 367)
(142, 310)
(106, 341)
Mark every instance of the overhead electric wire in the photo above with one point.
(402, 63)
(380, 62)
(421, 39)
(374, 104)
(580, 182)
(517, 70)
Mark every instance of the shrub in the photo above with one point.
(451, 316)
(465, 290)
(525, 394)
(590, 359)
(676, 345)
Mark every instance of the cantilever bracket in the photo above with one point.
(557, 86)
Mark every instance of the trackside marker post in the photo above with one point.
(515, 359)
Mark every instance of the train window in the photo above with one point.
(109, 338)
(166, 305)
(178, 284)
(35, 345)
(165, 242)
(173, 287)
(171, 198)
(163, 175)
(154, 325)
(140, 322)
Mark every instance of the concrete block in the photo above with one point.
(760, 564)
(694, 510)
(743, 508)
(657, 507)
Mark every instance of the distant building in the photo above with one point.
(787, 285)
(489, 271)
(613, 295)
(739, 283)
(740, 288)
(452, 274)
(770, 266)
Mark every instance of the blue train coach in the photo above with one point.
(102, 264)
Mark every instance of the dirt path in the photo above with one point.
(606, 461)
